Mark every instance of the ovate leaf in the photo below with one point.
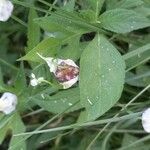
(123, 21)
(102, 72)
(33, 31)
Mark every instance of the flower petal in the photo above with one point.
(70, 62)
(8, 102)
(6, 8)
(51, 62)
(33, 75)
(146, 120)
(33, 82)
(69, 83)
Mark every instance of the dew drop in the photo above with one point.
(113, 61)
(42, 95)
(132, 27)
(96, 74)
(97, 97)
(109, 69)
(70, 104)
(89, 101)
(139, 55)
(106, 81)
(103, 76)
(55, 101)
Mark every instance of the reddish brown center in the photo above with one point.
(66, 72)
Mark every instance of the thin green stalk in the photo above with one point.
(87, 124)
(141, 62)
(9, 65)
(19, 21)
(33, 112)
(131, 101)
(40, 127)
(135, 143)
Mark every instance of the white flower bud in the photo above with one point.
(8, 103)
(35, 81)
(66, 71)
(6, 8)
(146, 120)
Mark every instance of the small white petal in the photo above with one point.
(8, 103)
(69, 83)
(34, 82)
(6, 8)
(146, 120)
(33, 75)
(51, 62)
(70, 62)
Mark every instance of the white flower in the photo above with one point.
(35, 81)
(6, 8)
(8, 103)
(65, 71)
(146, 120)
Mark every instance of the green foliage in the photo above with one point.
(124, 4)
(123, 21)
(60, 102)
(33, 31)
(101, 79)
(109, 41)
(129, 139)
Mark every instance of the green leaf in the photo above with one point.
(72, 50)
(17, 126)
(69, 6)
(12, 122)
(94, 5)
(20, 81)
(129, 139)
(123, 21)
(33, 31)
(137, 56)
(141, 78)
(123, 4)
(88, 15)
(69, 47)
(47, 47)
(59, 102)
(65, 23)
(3, 126)
(1, 79)
(143, 10)
(102, 72)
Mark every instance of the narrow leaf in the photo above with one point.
(33, 31)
